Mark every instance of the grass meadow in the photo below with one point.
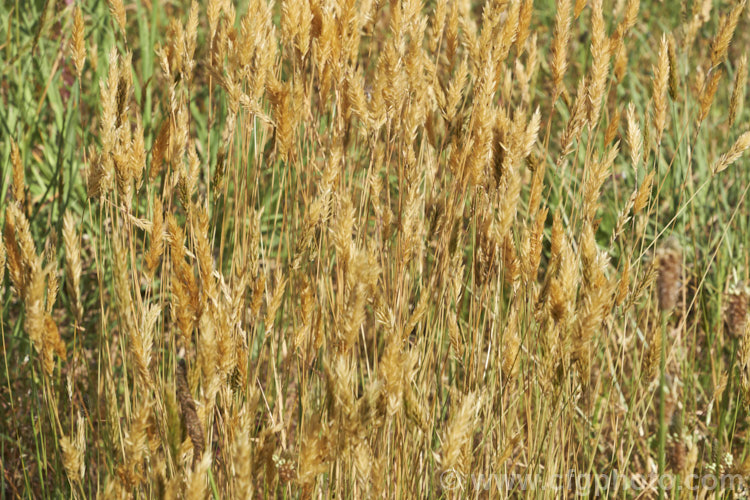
(365, 248)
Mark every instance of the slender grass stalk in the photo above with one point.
(662, 403)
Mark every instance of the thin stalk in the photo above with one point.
(662, 404)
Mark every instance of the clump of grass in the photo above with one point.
(346, 248)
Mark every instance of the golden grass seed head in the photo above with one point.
(557, 236)
(303, 333)
(511, 345)
(274, 301)
(537, 185)
(631, 14)
(117, 10)
(16, 269)
(391, 368)
(124, 88)
(533, 255)
(200, 232)
(122, 282)
(725, 34)
(34, 305)
(19, 182)
(612, 127)
(73, 452)
(634, 137)
(524, 21)
(159, 150)
(708, 93)
(574, 126)
(454, 335)
(623, 286)
(643, 194)
(456, 90)
(24, 256)
(508, 35)
(213, 10)
(77, 42)
(620, 66)
(660, 84)
(415, 410)
(455, 455)
(123, 178)
(600, 65)
(136, 449)
(191, 35)
(738, 148)
(737, 101)
(438, 24)
(52, 344)
(597, 172)
(98, 176)
(256, 300)
(156, 248)
(108, 100)
(207, 345)
(141, 343)
(137, 154)
(511, 262)
(50, 261)
(315, 451)
(559, 48)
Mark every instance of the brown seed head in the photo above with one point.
(735, 314)
(188, 411)
(669, 262)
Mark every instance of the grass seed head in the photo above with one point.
(77, 42)
(668, 284)
(19, 183)
(737, 101)
(736, 311)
